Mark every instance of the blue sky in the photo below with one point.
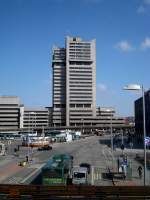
(30, 28)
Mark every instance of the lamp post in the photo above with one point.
(111, 132)
(28, 137)
(111, 135)
(82, 126)
(112, 143)
(136, 87)
(122, 141)
(33, 118)
(31, 114)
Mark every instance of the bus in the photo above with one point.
(58, 170)
(35, 141)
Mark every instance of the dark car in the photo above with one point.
(45, 148)
(86, 165)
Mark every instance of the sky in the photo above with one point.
(30, 28)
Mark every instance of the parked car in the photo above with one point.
(45, 148)
(86, 165)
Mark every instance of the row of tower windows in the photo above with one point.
(81, 86)
(79, 78)
(79, 63)
(79, 93)
(90, 89)
(80, 100)
(81, 73)
(80, 105)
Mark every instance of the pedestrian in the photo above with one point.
(15, 151)
(27, 158)
(140, 171)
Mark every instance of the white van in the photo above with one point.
(2, 149)
(79, 175)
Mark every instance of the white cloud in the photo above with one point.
(146, 43)
(147, 2)
(141, 9)
(101, 87)
(124, 46)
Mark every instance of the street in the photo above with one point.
(93, 150)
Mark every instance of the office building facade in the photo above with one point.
(10, 113)
(80, 81)
(74, 85)
(139, 117)
(74, 82)
(13, 115)
(59, 87)
(35, 118)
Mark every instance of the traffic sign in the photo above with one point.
(147, 141)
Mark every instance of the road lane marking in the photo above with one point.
(34, 172)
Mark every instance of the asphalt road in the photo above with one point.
(93, 150)
(87, 150)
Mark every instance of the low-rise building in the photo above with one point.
(105, 116)
(10, 113)
(13, 115)
(36, 118)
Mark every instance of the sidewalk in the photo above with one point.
(132, 150)
(131, 154)
(125, 183)
(9, 169)
(11, 172)
(5, 159)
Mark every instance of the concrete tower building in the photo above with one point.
(81, 80)
(59, 87)
(74, 83)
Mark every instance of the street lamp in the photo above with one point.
(112, 143)
(136, 87)
(31, 114)
(82, 125)
(111, 135)
(111, 131)
(33, 118)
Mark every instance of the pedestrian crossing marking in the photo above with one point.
(14, 180)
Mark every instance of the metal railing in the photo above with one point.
(74, 192)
